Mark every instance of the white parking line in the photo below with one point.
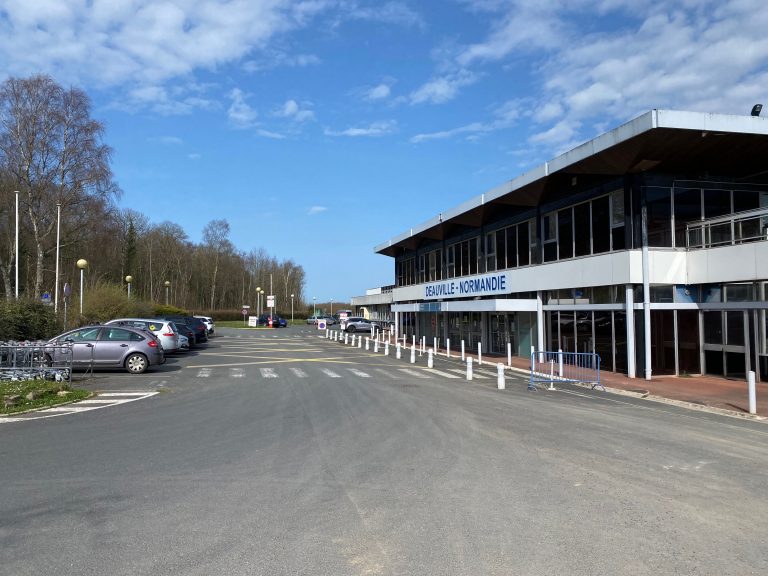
(443, 374)
(298, 372)
(414, 373)
(387, 373)
(204, 373)
(236, 373)
(330, 373)
(359, 373)
(84, 405)
(268, 372)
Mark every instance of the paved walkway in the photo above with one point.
(702, 390)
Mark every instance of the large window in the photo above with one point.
(405, 271)
(463, 258)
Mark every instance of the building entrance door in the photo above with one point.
(502, 332)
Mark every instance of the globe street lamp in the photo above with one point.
(167, 285)
(82, 264)
(258, 300)
(292, 295)
(128, 280)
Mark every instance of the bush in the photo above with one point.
(26, 320)
(168, 310)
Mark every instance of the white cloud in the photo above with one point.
(194, 156)
(375, 129)
(443, 88)
(240, 113)
(271, 58)
(504, 116)
(316, 210)
(270, 134)
(292, 110)
(379, 92)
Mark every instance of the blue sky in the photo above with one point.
(321, 128)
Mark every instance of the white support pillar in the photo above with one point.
(398, 353)
(500, 376)
(646, 294)
(539, 322)
(430, 359)
(509, 354)
(469, 368)
(462, 351)
(413, 354)
(479, 353)
(448, 348)
(630, 325)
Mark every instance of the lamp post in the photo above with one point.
(292, 295)
(258, 300)
(128, 280)
(167, 285)
(58, 243)
(82, 264)
(314, 307)
(331, 306)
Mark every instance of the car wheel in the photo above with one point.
(351, 328)
(136, 363)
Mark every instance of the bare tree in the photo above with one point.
(215, 238)
(52, 150)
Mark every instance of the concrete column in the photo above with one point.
(539, 322)
(630, 325)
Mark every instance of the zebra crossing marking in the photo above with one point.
(268, 372)
(204, 373)
(298, 372)
(359, 373)
(330, 373)
(443, 374)
(414, 373)
(237, 373)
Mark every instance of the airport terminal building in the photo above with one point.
(647, 245)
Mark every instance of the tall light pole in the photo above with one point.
(128, 280)
(17, 245)
(258, 300)
(331, 306)
(167, 285)
(58, 243)
(82, 264)
(292, 295)
(314, 307)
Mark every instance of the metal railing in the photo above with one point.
(576, 367)
(35, 361)
(738, 228)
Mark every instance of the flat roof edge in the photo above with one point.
(653, 119)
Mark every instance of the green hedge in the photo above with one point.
(26, 320)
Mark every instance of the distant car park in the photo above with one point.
(272, 320)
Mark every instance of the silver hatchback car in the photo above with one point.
(108, 347)
(165, 330)
(359, 324)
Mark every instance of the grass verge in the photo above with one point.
(31, 394)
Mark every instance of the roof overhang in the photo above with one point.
(667, 140)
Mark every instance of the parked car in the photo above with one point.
(360, 324)
(197, 325)
(163, 329)
(183, 343)
(185, 330)
(313, 319)
(108, 347)
(329, 320)
(272, 320)
(208, 321)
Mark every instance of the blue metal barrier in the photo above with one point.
(551, 367)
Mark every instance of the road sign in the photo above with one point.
(245, 311)
(46, 298)
(252, 321)
(321, 324)
(270, 301)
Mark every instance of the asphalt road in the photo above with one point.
(277, 452)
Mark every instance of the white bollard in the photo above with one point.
(327, 333)
(480, 353)
(423, 344)
(367, 343)
(500, 376)
(414, 340)
(448, 348)
(413, 354)
(509, 354)
(386, 348)
(752, 395)
(397, 351)
(434, 345)
(430, 360)
(359, 341)
(353, 339)
(469, 368)
(346, 337)
(376, 345)
(551, 375)
(560, 363)
(462, 350)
